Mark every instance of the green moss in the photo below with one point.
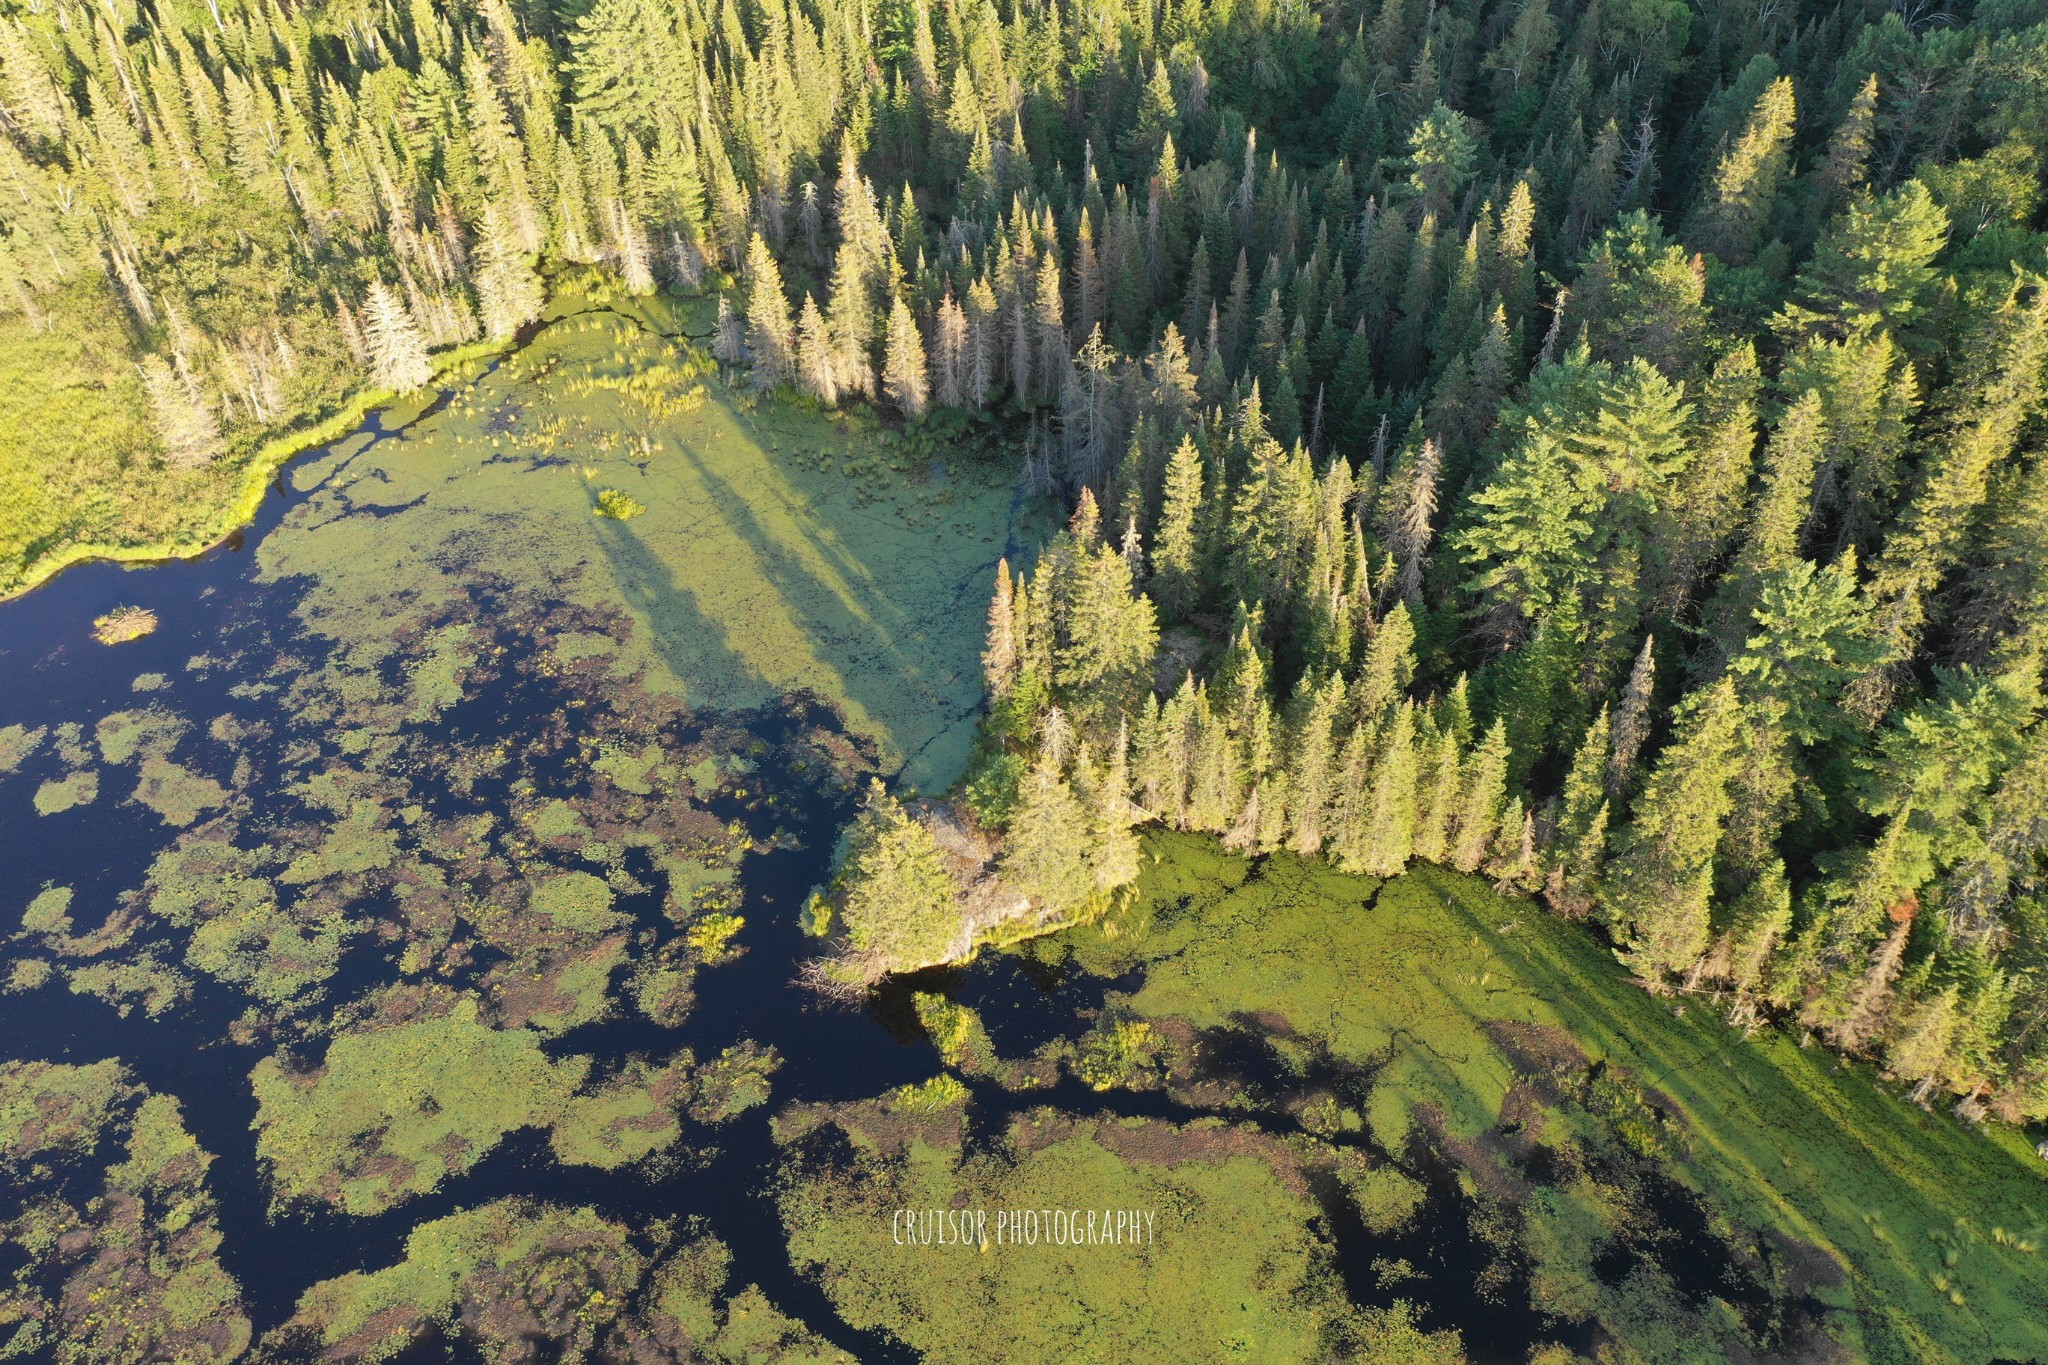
(81, 481)
(393, 1111)
(73, 789)
(510, 1276)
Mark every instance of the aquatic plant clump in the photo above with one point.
(108, 1224)
(123, 624)
(618, 506)
(1227, 1267)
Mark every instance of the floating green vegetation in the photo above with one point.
(634, 1114)
(395, 1108)
(1228, 1267)
(143, 981)
(955, 1030)
(759, 568)
(151, 730)
(513, 1273)
(49, 912)
(577, 902)
(1119, 1053)
(733, 1083)
(618, 506)
(1586, 1117)
(58, 795)
(939, 1093)
(176, 793)
(17, 743)
(107, 1225)
(272, 956)
(711, 938)
(393, 1111)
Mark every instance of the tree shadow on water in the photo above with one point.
(879, 653)
(695, 649)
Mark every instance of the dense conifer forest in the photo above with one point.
(1593, 444)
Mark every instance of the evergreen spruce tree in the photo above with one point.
(814, 367)
(770, 340)
(1482, 791)
(186, 429)
(904, 379)
(509, 293)
(899, 903)
(1736, 208)
(397, 348)
(1632, 719)
(1659, 886)
(1390, 819)
(1578, 848)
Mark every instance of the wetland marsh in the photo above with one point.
(403, 942)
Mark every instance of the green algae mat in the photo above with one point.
(760, 549)
(1410, 1120)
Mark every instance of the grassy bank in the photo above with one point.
(79, 476)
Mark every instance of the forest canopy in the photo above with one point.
(1597, 445)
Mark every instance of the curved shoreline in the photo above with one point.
(257, 478)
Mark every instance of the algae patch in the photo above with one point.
(108, 1224)
(757, 569)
